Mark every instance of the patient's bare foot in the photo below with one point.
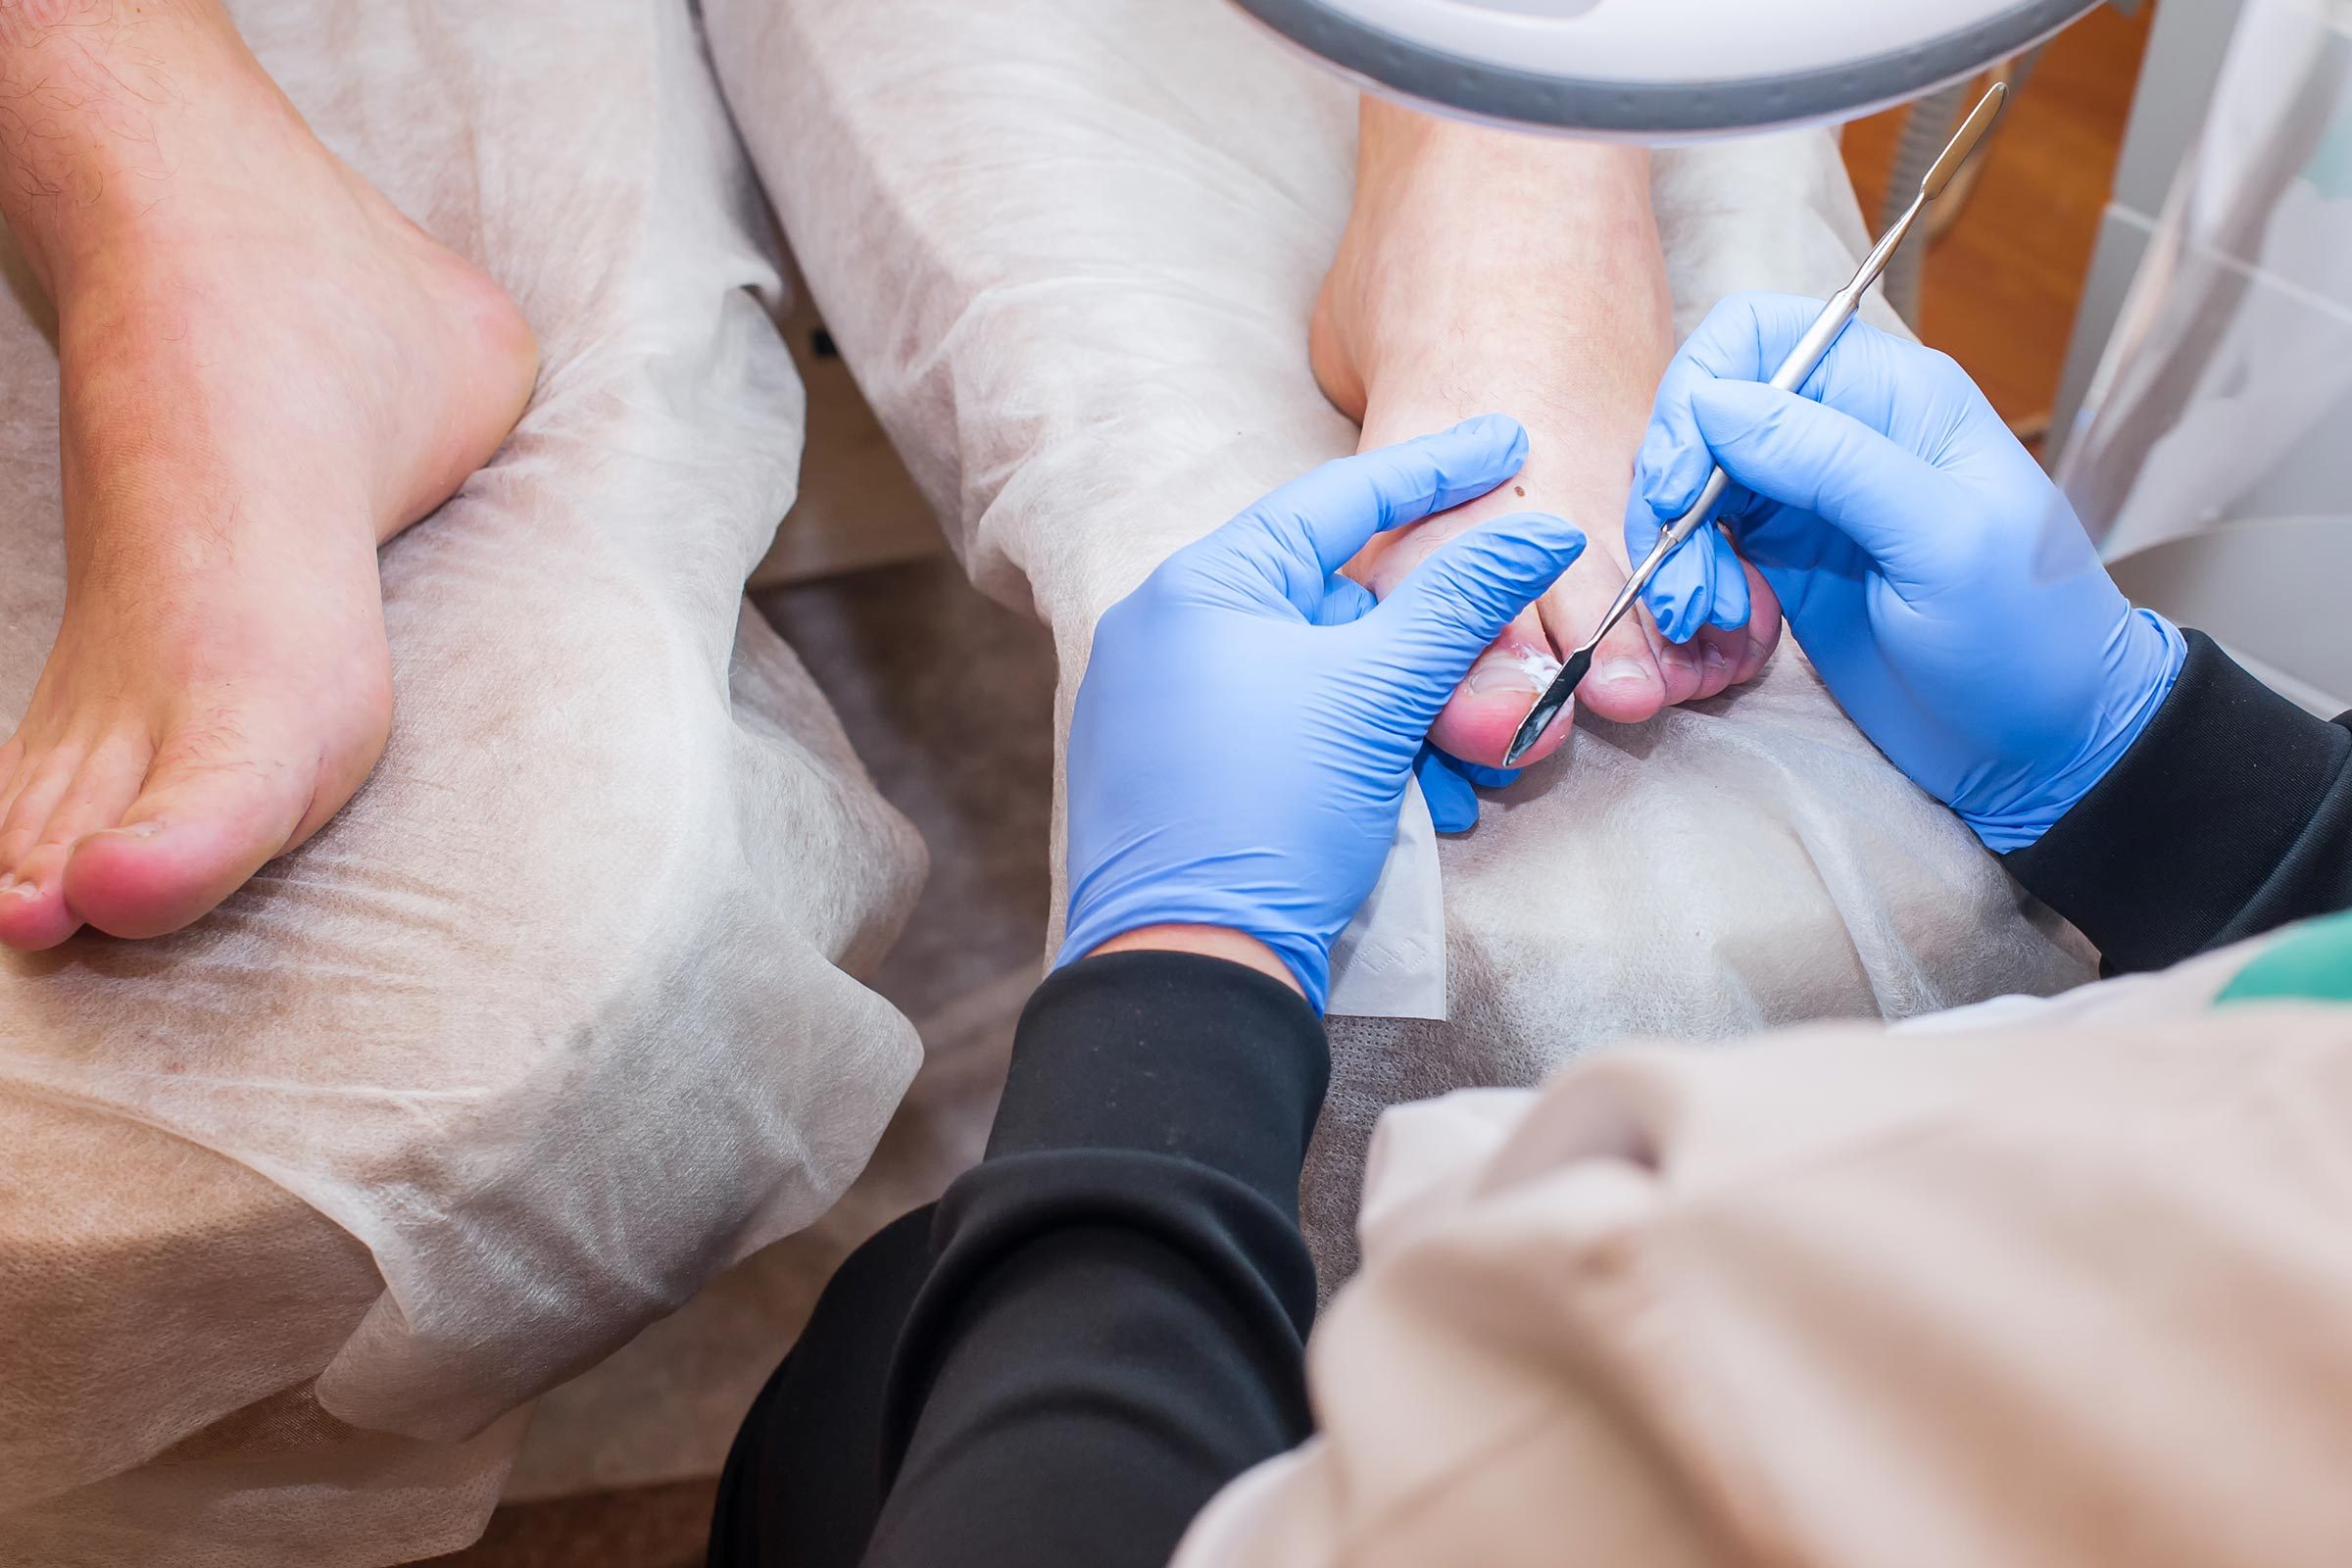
(1485, 270)
(266, 372)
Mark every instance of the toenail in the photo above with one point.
(1528, 672)
(133, 830)
(11, 888)
(1622, 672)
(1712, 656)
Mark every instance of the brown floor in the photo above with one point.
(955, 722)
(652, 1526)
(2001, 285)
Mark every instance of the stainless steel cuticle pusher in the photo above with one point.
(1800, 364)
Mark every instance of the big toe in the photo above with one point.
(1483, 716)
(216, 806)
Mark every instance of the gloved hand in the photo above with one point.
(1937, 580)
(1249, 717)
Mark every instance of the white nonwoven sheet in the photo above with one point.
(557, 1019)
(1843, 1299)
(1391, 960)
(1069, 247)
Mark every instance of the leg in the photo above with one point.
(1488, 271)
(265, 371)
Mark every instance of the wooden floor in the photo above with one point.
(2001, 285)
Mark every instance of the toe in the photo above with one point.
(1682, 667)
(1484, 715)
(1762, 634)
(219, 802)
(34, 913)
(30, 918)
(1733, 657)
(1624, 683)
(1721, 655)
(1717, 653)
(45, 778)
(33, 904)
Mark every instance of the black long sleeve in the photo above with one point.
(2231, 815)
(1115, 1325)
(1096, 1328)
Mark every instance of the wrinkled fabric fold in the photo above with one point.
(558, 1018)
(2054, 1284)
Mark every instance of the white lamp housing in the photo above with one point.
(1660, 70)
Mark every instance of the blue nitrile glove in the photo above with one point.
(1451, 786)
(1249, 717)
(1932, 573)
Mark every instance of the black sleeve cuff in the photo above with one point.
(1168, 1053)
(2201, 833)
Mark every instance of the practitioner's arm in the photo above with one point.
(2232, 816)
(2131, 776)
(1113, 1321)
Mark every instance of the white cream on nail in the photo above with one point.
(1538, 667)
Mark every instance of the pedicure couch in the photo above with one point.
(302, 1210)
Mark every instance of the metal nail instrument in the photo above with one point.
(1791, 374)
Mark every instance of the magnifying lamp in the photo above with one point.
(1661, 69)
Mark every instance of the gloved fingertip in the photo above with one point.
(1731, 610)
(1345, 600)
(1563, 538)
(1499, 428)
(1484, 777)
(1455, 814)
(1679, 595)
(1548, 534)
(1724, 409)
(1453, 804)
(1672, 487)
(1640, 526)
(1728, 607)
(1651, 458)
(1676, 621)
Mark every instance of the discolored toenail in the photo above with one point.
(1712, 658)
